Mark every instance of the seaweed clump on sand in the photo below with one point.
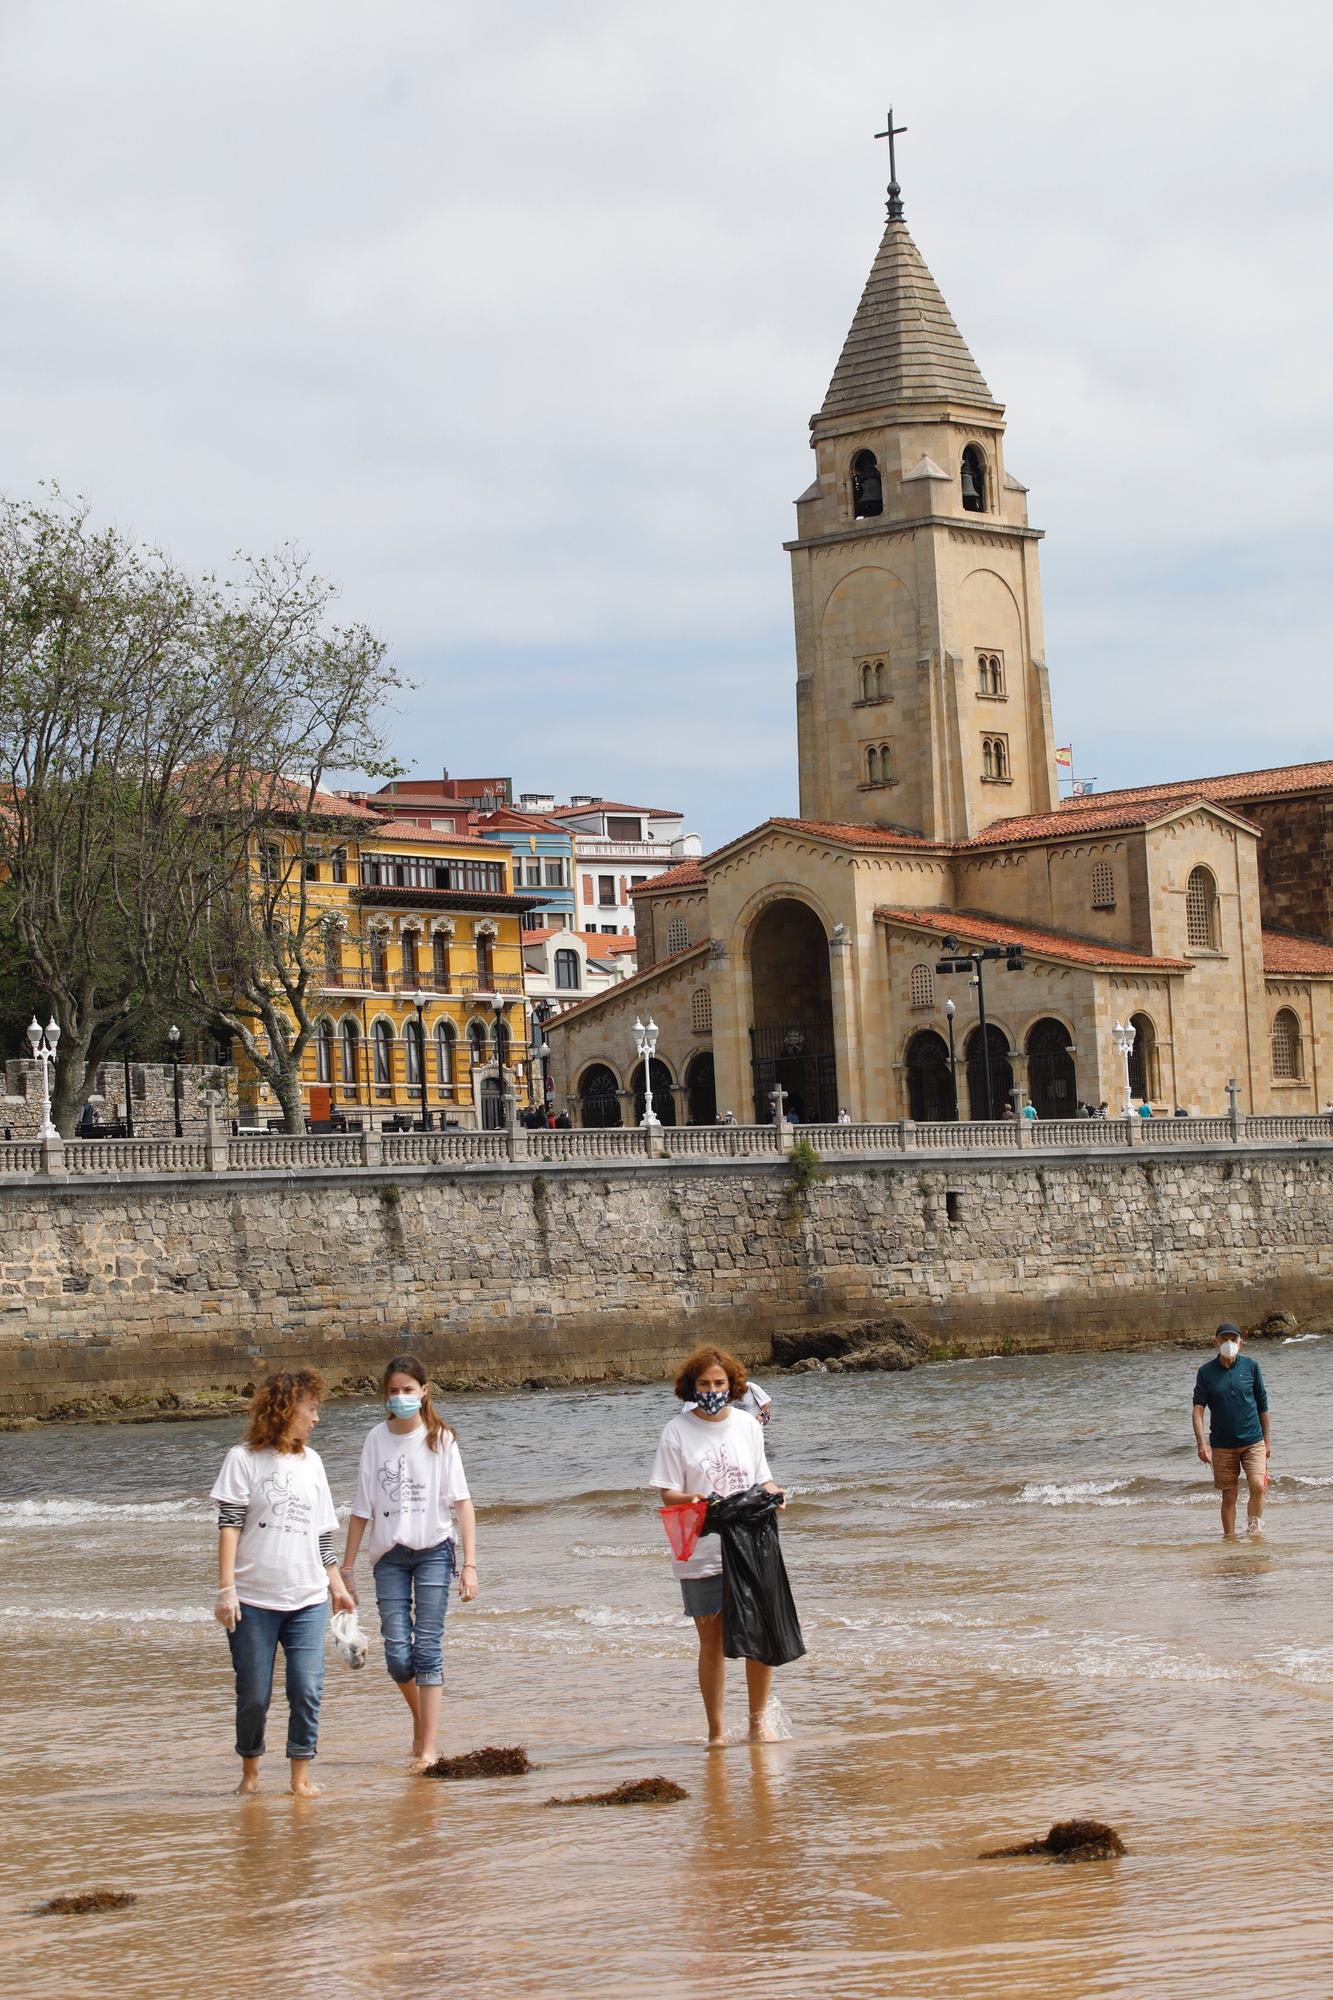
(493, 1761)
(634, 1792)
(1068, 1840)
(86, 1902)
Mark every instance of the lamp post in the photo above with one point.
(498, 1007)
(1123, 1037)
(953, 1059)
(43, 1042)
(971, 963)
(645, 1042)
(541, 1014)
(419, 999)
(174, 1052)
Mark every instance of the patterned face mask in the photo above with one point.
(710, 1401)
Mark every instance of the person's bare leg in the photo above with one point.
(1229, 1496)
(249, 1777)
(1255, 1484)
(758, 1685)
(713, 1678)
(430, 1700)
(412, 1696)
(303, 1785)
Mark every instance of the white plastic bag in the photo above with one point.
(349, 1641)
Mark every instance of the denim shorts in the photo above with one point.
(702, 1595)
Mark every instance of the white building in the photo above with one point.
(617, 848)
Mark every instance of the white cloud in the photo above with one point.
(514, 316)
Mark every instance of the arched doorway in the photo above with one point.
(1145, 1081)
(791, 1042)
(929, 1085)
(701, 1091)
(664, 1097)
(492, 1104)
(1051, 1082)
(1001, 1074)
(599, 1096)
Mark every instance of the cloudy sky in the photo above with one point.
(513, 313)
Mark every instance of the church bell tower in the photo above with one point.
(922, 694)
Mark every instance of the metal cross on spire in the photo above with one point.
(892, 132)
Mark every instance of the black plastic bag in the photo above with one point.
(759, 1619)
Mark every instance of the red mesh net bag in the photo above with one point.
(682, 1526)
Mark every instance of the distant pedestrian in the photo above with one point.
(1231, 1389)
(276, 1568)
(844, 1115)
(1030, 1111)
(1181, 1112)
(1145, 1109)
(1100, 1112)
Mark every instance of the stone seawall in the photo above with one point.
(502, 1274)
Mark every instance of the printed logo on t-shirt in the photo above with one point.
(284, 1507)
(404, 1492)
(721, 1474)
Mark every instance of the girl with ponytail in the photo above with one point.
(412, 1496)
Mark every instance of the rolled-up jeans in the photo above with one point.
(254, 1651)
(414, 1644)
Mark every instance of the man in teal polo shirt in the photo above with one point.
(1231, 1389)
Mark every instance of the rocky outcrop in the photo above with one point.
(861, 1346)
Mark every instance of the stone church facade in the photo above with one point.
(806, 953)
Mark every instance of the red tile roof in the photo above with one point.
(1285, 952)
(1276, 780)
(1097, 815)
(408, 829)
(600, 944)
(851, 834)
(1044, 944)
(688, 875)
(627, 985)
(611, 806)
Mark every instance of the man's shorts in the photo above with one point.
(1229, 1461)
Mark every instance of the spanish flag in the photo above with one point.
(1065, 756)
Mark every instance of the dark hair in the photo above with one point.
(710, 1357)
(407, 1364)
(274, 1405)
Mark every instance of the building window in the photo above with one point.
(973, 480)
(923, 986)
(311, 871)
(874, 680)
(338, 865)
(701, 1010)
(532, 873)
(270, 862)
(554, 874)
(422, 871)
(1145, 1080)
(324, 1052)
(567, 971)
(439, 952)
(879, 764)
(1201, 928)
(867, 487)
(412, 1050)
(619, 828)
(347, 1036)
(1286, 1046)
(990, 675)
(485, 966)
(606, 892)
(409, 958)
(476, 1034)
(383, 1053)
(637, 881)
(995, 758)
(678, 935)
(1103, 886)
(445, 1036)
(379, 961)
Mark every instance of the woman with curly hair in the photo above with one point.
(713, 1447)
(412, 1496)
(276, 1568)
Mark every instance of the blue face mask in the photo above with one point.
(710, 1401)
(403, 1406)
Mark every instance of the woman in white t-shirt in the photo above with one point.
(276, 1568)
(410, 1493)
(713, 1447)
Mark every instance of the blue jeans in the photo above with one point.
(414, 1650)
(254, 1651)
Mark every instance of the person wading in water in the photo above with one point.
(1231, 1388)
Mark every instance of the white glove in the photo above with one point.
(227, 1609)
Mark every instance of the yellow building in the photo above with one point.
(416, 944)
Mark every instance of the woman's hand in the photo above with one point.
(468, 1583)
(227, 1607)
(349, 1585)
(343, 1599)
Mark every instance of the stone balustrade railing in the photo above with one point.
(217, 1152)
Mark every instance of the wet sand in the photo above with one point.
(1018, 1608)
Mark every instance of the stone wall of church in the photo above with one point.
(1295, 862)
(604, 1034)
(499, 1275)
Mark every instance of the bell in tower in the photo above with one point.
(867, 486)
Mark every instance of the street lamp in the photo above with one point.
(953, 1059)
(971, 962)
(645, 1042)
(498, 1006)
(174, 1052)
(43, 1042)
(1124, 1038)
(419, 999)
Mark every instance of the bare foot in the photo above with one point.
(302, 1788)
(248, 1786)
(717, 1742)
(762, 1730)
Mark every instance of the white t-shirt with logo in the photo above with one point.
(288, 1507)
(406, 1491)
(696, 1456)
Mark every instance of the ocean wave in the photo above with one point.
(609, 1618)
(590, 1550)
(1077, 1492)
(33, 1513)
(128, 1615)
(1295, 1339)
(1305, 1663)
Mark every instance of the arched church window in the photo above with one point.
(1145, 1080)
(701, 1010)
(1286, 1045)
(1201, 930)
(678, 935)
(1103, 886)
(990, 674)
(867, 486)
(973, 480)
(872, 765)
(995, 757)
(923, 986)
(874, 680)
